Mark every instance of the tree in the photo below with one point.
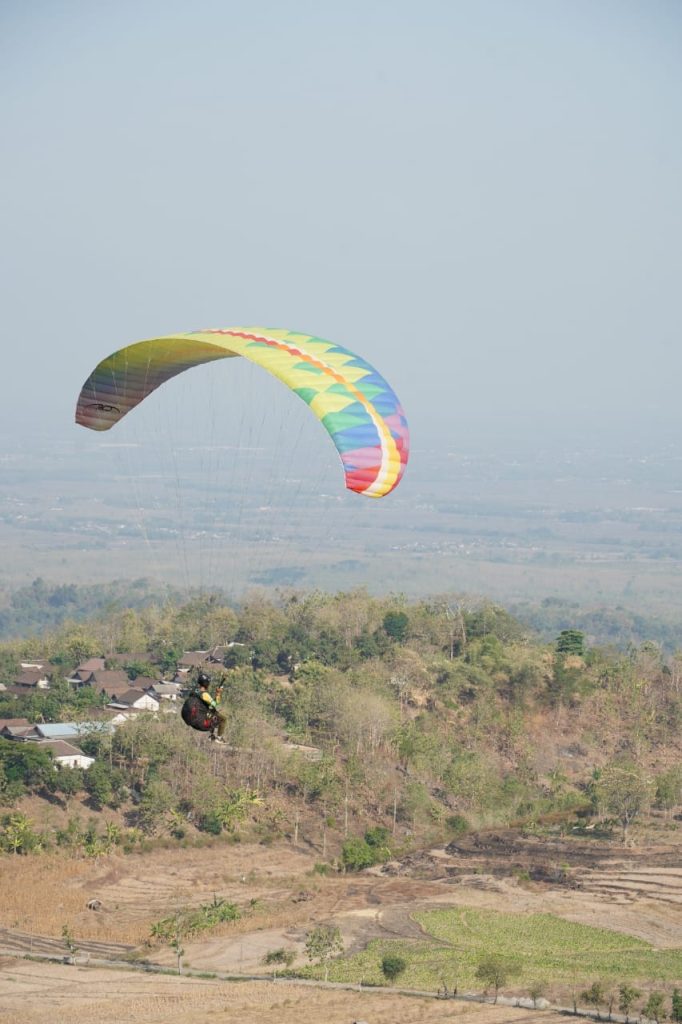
(9, 791)
(68, 782)
(322, 943)
(627, 997)
(653, 1008)
(571, 641)
(69, 940)
(27, 764)
(157, 800)
(356, 854)
(536, 991)
(624, 791)
(669, 788)
(392, 966)
(676, 1010)
(98, 784)
(395, 625)
(495, 970)
(594, 996)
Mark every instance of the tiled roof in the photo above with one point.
(60, 748)
(91, 665)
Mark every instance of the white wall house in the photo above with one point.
(66, 755)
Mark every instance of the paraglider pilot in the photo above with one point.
(220, 716)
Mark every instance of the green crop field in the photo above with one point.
(546, 949)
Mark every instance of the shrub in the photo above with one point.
(392, 966)
(211, 823)
(356, 854)
(457, 824)
(279, 956)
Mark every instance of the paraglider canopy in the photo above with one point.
(355, 404)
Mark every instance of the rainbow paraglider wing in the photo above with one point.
(356, 406)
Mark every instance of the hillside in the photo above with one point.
(382, 756)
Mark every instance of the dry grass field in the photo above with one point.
(635, 892)
(36, 993)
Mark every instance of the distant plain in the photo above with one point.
(596, 529)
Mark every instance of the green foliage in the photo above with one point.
(322, 943)
(279, 956)
(669, 788)
(457, 825)
(444, 688)
(105, 785)
(68, 782)
(627, 997)
(547, 950)
(571, 641)
(653, 1008)
(396, 625)
(26, 764)
(157, 800)
(623, 790)
(194, 921)
(392, 966)
(377, 837)
(594, 995)
(356, 854)
(17, 834)
(494, 971)
(676, 1006)
(69, 940)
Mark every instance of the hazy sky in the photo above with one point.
(480, 196)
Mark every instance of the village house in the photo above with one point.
(12, 723)
(192, 660)
(37, 663)
(66, 755)
(16, 728)
(85, 669)
(143, 683)
(32, 679)
(56, 731)
(19, 732)
(134, 699)
(110, 682)
(163, 690)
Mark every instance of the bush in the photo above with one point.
(457, 824)
(211, 823)
(279, 956)
(377, 836)
(356, 854)
(392, 966)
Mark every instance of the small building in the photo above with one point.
(143, 683)
(92, 665)
(32, 679)
(85, 670)
(57, 731)
(135, 699)
(162, 691)
(66, 755)
(43, 664)
(191, 660)
(108, 681)
(13, 722)
(19, 732)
